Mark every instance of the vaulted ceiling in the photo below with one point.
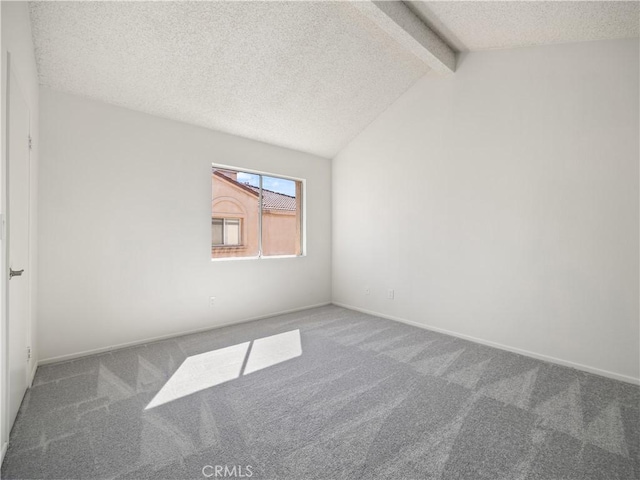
(305, 75)
(509, 24)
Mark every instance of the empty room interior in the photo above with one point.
(320, 240)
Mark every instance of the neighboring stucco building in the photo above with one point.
(235, 219)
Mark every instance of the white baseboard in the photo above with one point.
(33, 373)
(72, 356)
(4, 450)
(527, 353)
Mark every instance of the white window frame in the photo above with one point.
(303, 213)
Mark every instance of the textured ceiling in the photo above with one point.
(507, 24)
(304, 75)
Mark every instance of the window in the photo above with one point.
(226, 231)
(255, 215)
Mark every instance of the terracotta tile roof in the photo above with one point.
(270, 200)
(274, 200)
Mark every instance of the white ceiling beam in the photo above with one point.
(398, 21)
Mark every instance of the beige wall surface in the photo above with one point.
(125, 233)
(501, 203)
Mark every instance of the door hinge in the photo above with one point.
(30, 142)
(28, 353)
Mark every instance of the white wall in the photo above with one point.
(16, 40)
(501, 203)
(125, 230)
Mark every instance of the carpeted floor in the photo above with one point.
(326, 393)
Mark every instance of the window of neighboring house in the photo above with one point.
(226, 231)
(255, 215)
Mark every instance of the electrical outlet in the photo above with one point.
(212, 301)
(390, 294)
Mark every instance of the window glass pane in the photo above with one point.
(249, 179)
(232, 232)
(216, 227)
(241, 228)
(235, 199)
(281, 216)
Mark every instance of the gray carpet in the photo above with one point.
(358, 397)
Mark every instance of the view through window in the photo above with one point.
(255, 215)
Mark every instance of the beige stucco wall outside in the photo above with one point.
(279, 233)
(231, 201)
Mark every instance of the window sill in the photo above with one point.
(268, 257)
